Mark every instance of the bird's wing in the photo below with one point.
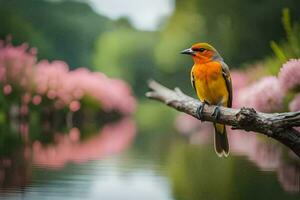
(193, 80)
(227, 78)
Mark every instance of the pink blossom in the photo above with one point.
(26, 98)
(16, 65)
(24, 130)
(55, 81)
(74, 134)
(51, 94)
(33, 51)
(7, 89)
(36, 100)
(265, 95)
(74, 106)
(295, 104)
(24, 110)
(239, 81)
(289, 75)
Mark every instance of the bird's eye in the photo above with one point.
(201, 49)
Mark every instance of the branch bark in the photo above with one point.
(278, 126)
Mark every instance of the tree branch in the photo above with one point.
(275, 125)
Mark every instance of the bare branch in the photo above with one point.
(276, 125)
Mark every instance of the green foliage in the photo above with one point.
(128, 54)
(287, 49)
(73, 32)
(278, 52)
(292, 33)
(241, 31)
(22, 31)
(10, 140)
(253, 24)
(2, 117)
(64, 30)
(150, 116)
(195, 170)
(181, 31)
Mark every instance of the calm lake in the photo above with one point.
(120, 161)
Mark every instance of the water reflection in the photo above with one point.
(16, 164)
(113, 162)
(268, 155)
(14, 171)
(112, 138)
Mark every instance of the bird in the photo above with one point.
(210, 77)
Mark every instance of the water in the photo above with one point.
(105, 179)
(120, 162)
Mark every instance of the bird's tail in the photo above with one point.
(221, 141)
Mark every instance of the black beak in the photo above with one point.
(188, 51)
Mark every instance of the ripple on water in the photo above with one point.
(114, 177)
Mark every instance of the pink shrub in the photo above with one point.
(54, 81)
(16, 65)
(289, 75)
(239, 81)
(265, 95)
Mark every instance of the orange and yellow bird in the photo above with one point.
(211, 79)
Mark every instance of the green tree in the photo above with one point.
(23, 31)
(127, 54)
(64, 30)
(243, 29)
(182, 29)
(240, 30)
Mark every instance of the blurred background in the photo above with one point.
(74, 120)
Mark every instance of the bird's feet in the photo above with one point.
(200, 110)
(216, 113)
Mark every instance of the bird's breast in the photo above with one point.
(207, 72)
(209, 82)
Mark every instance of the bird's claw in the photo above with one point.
(216, 113)
(200, 110)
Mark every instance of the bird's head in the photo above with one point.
(202, 53)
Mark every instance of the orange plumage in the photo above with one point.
(211, 79)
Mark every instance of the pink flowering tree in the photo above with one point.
(265, 95)
(29, 85)
(289, 78)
